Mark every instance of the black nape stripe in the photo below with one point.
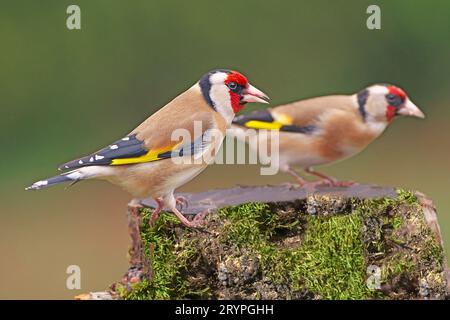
(362, 100)
(205, 85)
(259, 115)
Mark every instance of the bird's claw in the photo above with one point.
(345, 183)
(332, 183)
(197, 220)
(200, 217)
(182, 202)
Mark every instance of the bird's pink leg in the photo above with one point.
(156, 211)
(297, 177)
(195, 223)
(327, 180)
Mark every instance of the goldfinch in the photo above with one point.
(326, 129)
(169, 148)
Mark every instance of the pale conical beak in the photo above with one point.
(410, 109)
(252, 94)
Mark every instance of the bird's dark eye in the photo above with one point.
(232, 85)
(393, 100)
(390, 97)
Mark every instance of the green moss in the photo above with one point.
(249, 224)
(325, 255)
(395, 266)
(168, 257)
(405, 196)
(329, 262)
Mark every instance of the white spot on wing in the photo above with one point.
(91, 159)
(74, 175)
(126, 138)
(80, 162)
(97, 157)
(113, 147)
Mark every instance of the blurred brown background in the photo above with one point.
(66, 93)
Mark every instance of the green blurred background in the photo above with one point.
(66, 93)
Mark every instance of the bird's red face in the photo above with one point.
(236, 82)
(398, 103)
(242, 92)
(395, 99)
(226, 89)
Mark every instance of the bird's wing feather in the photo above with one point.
(175, 130)
(301, 117)
(270, 119)
(128, 147)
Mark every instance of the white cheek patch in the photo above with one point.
(220, 96)
(377, 97)
(376, 105)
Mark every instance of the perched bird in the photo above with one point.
(326, 129)
(169, 148)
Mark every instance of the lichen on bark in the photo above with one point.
(318, 247)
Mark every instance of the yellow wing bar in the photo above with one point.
(254, 124)
(151, 155)
(278, 121)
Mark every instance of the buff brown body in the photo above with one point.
(327, 129)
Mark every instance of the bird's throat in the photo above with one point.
(235, 100)
(390, 113)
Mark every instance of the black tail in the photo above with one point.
(73, 176)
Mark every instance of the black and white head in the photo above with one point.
(381, 103)
(228, 91)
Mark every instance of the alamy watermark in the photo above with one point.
(373, 281)
(374, 20)
(73, 281)
(73, 21)
(199, 146)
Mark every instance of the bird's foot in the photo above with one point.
(345, 183)
(327, 180)
(181, 202)
(155, 214)
(331, 182)
(135, 204)
(200, 217)
(197, 221)
(154, 217)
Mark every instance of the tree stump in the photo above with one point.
(285, 242)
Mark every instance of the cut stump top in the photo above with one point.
(220, 198)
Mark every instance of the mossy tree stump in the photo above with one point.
(285, 242)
